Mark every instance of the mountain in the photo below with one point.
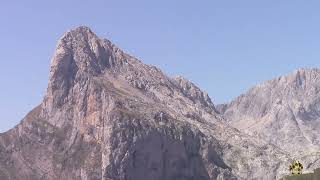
(285, 112)
(106, 115)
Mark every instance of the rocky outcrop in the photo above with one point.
(106, 115)
(285, 112)
(221, 108)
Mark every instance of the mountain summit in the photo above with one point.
(285, 112)
(106, 115)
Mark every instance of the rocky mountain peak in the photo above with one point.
(285, 110)
(78, 55)
(80, 32)
(107, 115)
(79, 50)
(193, 92)
(81, 55)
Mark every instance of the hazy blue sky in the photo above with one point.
(225, 47)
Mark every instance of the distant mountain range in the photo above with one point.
(106, 115)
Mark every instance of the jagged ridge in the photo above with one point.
(106, 115)
(284, 111)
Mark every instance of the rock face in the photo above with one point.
(284, 111)
(106, 115)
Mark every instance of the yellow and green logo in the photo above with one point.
(296, 167)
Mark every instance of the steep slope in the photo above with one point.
(284, 111)
(106, 115)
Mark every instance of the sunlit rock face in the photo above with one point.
(108, 116)
(284, 111)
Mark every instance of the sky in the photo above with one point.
(225, 47)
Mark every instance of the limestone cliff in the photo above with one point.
(106, 115)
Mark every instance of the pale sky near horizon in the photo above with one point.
(225, 47)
